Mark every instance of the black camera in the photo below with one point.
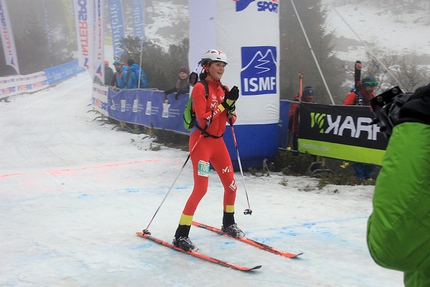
(386, 107)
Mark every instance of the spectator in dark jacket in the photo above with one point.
(182, 84)
(108, 73)
(294, 120)
(362, 98)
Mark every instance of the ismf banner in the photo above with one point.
(341, 132)
(247, 31)
(7, 37)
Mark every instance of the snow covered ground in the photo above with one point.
(75, 191)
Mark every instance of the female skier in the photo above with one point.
(212, 109)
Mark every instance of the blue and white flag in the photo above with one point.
(117, 26)
(138, 12)
(7, 38)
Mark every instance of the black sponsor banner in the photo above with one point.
(340, 124)
(345, 128)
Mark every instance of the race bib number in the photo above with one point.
(203, 168)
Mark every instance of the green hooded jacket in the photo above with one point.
(398, 231)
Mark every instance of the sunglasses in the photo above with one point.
(372, 84)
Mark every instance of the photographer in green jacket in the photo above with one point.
(398, 231)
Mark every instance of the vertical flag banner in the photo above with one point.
(138, 12)
(48, 31)
(117, 26)
(7, 38)
(98, 41)
(68, 11)
(247, 31)
(84, 19)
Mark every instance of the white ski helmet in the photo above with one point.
(212, 56)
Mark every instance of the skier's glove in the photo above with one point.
(233, 94)
(230, 99)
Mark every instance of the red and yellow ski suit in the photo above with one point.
(209, 148)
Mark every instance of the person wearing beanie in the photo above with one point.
(120, 74)
(293, 122)
(182, 84)
(362, 97)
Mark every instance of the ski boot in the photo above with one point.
(184, 243)
(233, 230)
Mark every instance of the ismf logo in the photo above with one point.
(262, 6)
(258, 75)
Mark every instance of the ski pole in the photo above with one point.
(248, 210)
(301, 85)
(146, 230)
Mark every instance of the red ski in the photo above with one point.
(197, 254)
(249, 241)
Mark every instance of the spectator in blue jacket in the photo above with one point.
(132, 80)
(121, 74)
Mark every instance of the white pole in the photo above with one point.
(313, 54)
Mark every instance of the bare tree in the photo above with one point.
(393, 69)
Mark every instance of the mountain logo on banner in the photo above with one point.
(262, 6)
(258, 74)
